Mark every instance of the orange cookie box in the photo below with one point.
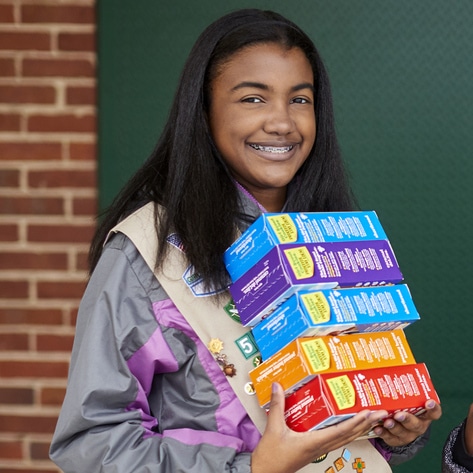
(304, 358)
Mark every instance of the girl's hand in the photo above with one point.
(404, 428)
(281, 450)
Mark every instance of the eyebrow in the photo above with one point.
(260, 85)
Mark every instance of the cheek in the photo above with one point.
(220, 121)
(232, 130)
(311, 131)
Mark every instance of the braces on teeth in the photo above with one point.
(272, 149)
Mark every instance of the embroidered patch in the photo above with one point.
(358, 465)
(339, 464)
(346, 454)
(247, 345)
(175, 240)
(194, 282)
(232, 311)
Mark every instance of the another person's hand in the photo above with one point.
(281, 450)
(404, 428)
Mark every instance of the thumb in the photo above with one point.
(276, 420)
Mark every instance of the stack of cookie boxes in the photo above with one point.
(323, 295)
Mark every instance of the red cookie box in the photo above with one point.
(333, 397)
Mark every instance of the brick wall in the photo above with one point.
(47, 205)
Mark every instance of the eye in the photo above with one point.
(252, 100)
(301, 100)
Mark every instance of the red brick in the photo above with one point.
(84, 206)
(16, 41)
(42, 13)
(6, 16)
(62, 123)
(83, 151)
(46, 342)
(33, 369)
(14, 395)
(58, 179)
(76, 42)
(9, 232)
(31, 205)
(13, 289)
(11, 450)
(82, 263)
(7, 67)
(24, 469)
(9, 121)
(32, 260)
(27, 424)
(60, 289)
(13, 341)
(60, 233)
(30, 151)
(27, 316)
(52, 396)
(27, 94)
(58, 68)
(81, 96)
(9, 178)
(39, 450)
(73, 314)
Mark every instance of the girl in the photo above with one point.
(250, 130)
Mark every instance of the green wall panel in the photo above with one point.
(402, 81)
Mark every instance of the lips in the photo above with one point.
(272, 149)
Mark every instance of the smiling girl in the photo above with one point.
(152, 387)
(262, 118)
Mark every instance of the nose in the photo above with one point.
(279, 120)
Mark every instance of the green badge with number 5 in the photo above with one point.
(247, 345)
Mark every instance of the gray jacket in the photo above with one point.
(144, 393)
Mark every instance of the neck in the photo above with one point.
(267, 200)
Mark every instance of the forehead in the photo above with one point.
(265, 61)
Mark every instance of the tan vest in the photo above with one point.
(207, 319)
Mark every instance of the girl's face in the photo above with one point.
(262, 118)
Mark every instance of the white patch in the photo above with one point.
(195, 283)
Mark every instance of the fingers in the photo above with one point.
(296, 449)
(276, 421)
(419, 423)
(357, 426)
(433, 411)
(404, 428)
(330, 438)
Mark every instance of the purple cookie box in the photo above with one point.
(272, 280)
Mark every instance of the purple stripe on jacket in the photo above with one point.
(237, 423)
(139, 364)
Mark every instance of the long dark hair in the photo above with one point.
(185, 173)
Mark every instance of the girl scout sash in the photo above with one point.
(208, 319)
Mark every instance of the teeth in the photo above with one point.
(272, 149)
